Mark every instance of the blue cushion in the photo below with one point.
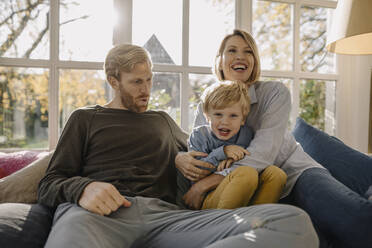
(349, 166)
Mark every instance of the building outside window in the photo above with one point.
(52, 52)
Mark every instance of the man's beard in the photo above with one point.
(128, 101)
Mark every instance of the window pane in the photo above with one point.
(313, 37)
(198, 83)
(24, 29)
(86, 28)
(210, 20)
(79, 88)
(159, 29)
(273, 30)
(23, 108)
(317, 104)
(165, 94)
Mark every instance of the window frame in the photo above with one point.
(244, 21)
(123, 33)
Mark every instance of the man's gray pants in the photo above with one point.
(152, 222)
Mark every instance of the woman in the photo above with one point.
(336, 211)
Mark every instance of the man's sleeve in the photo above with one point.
(179, 135)
(180, 138)
(63, 181)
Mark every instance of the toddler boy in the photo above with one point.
(226, 106)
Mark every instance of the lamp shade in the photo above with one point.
(351, 31)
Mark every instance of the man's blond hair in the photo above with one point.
(124, 57)
(225, 94)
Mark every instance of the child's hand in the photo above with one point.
(225, 164)
(235, 152)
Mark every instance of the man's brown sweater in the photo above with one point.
(133, 151)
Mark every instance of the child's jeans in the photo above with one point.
(244, 186)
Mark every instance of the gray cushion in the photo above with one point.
(24, 225)
(21, 186)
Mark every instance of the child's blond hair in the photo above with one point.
(225, 94)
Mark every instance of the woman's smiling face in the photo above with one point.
(237, 59)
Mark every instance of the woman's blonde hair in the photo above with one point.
(225, 94)
(124, 57)
(250, 41)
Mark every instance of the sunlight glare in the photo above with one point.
(115, 17)
(251, 236)
(88, 38)
(238, 219)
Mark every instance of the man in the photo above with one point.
(113, 180)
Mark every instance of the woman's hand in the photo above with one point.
(188, 165)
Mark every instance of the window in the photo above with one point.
(182, 43)
(52, 52)
(291, 36)
(51, 64)
(272, 27)
(85, 29)
(79, 88)
(165, 94)
(24, 29)
(24, 88)
(159, 31)
(24, 107)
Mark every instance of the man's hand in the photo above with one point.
(194, 197)
(187, 164)
(102, 198)
(235, 152)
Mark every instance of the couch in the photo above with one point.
(26, 224)
(23, 223)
